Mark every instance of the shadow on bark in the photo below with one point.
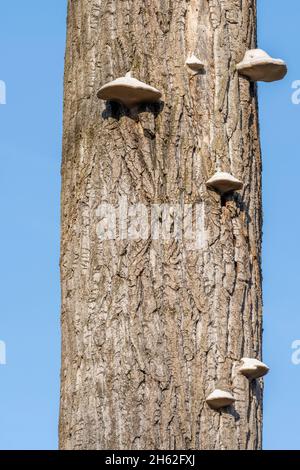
(232, 411)
(117, 111)
(237, 199)
(256, 390)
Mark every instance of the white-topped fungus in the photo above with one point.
(257, 65)
(193, 63)
(219, 399)
(253, 368)
(224, 182)
(129, 91)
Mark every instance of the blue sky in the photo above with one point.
(32, 41)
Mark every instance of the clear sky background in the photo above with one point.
(32, 42)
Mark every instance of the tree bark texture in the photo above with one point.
(151, 327)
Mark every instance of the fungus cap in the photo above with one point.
(129, 91)
(253, 368)
(224, 182)
(219, 399)
(257, 65)
(194, 63)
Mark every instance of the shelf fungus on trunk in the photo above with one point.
(224, 182)
(195, 64)
(257, 65)
(253, 368)
(219, 399)
(129, 91)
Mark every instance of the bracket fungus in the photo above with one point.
(224, 182)
(129, 91)
(193, 63)
(219, 399)
(252, 368)
(257, 65)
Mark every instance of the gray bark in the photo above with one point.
(151, 327)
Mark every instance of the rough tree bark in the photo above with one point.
(151, 327)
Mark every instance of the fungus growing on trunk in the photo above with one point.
(257, 65)
(224, 182)
(252, 368)
(193, 63)
(219, 399)
(129, 91)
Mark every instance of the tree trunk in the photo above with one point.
(151, 325)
